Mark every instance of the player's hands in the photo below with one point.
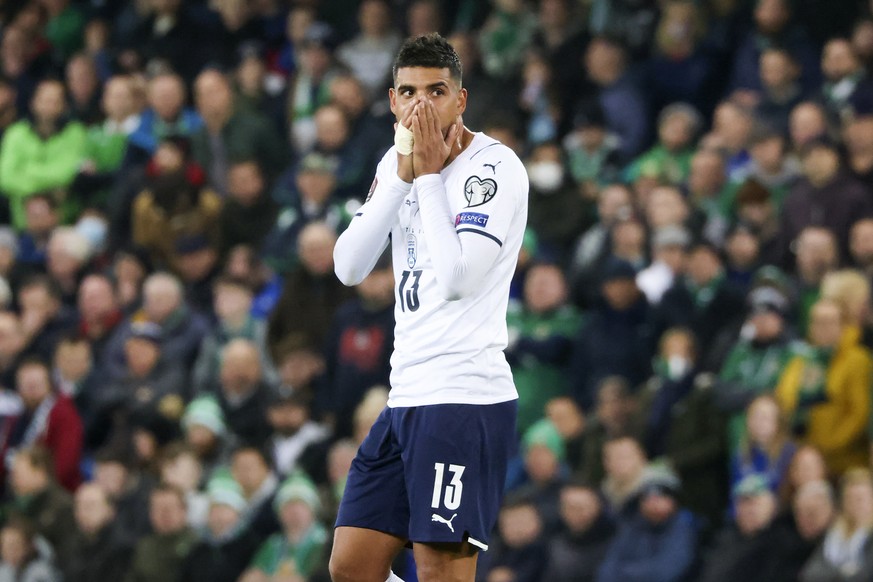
(431, 149)
(404, 163)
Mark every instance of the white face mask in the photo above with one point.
(546, 177)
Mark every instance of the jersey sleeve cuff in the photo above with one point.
(429, 184)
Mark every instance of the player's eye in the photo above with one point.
(439, 92)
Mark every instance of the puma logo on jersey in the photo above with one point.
(441, 519)
(492, 166)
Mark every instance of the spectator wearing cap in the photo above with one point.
(48, 419)
(781, 90)
(226, 547)
(152, 383)
(575, 552)
(232, 306)
(300, 549)
(175, 204)
(316, 183)
(159, 556)
(242, 391)
(181, 328)
(42, 152)
(676, 408)
(670, 158)
(94, 553)
(801, 532)
(370, 54)
(197, 264)
(297, 439)
(756, 207)
(542, 328)
(359, 346)
(205, 431)
(669, 255)
(310, 88)
(625, 108)
(249, 212)
(615, 338)
(592, 156)
(660, 540)
(757, 357)
(558, 210)
(230, 133)
(741, 549)
(826, 196)
(847, 550)
(825, 390)
(252, 468)
(311, 295)
(543, 454)
(704, 301)
(44, 319)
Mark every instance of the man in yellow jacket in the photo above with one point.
(825, 390)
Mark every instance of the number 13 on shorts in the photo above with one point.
(453, 490)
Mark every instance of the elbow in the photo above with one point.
(348, 276)
(455, 292)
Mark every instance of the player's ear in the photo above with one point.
(392, 100)
(462, 100)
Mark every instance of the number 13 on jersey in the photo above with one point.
(408, 291)
(453, 490)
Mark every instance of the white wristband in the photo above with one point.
(403, 140)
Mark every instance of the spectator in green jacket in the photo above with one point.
(42, 152)
(541, 331)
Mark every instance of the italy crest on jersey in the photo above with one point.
(411, 250)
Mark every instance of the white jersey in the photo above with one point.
(452, 351)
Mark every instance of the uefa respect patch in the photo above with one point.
(474, 218)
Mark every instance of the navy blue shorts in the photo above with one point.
(432, 473)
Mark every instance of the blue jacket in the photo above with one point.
(152, 129)
(642, 552)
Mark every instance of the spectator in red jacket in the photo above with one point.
(49, 419)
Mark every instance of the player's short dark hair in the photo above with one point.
(431, 51)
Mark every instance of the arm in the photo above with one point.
(856, 409)
(359, 247)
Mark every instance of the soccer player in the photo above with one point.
(431, 471)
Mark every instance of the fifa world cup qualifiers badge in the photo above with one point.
(479, 191)
(411, 250)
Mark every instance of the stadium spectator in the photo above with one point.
(242, 391)
(49, 420)
(847, 550)
(230, 133)
(798, 535)
(94, 553)
(181, 468)
(248, 212)
(824, 390)
(37, 498)
(358, 347)
(624, 464)
(659, 542)
(294, 432)
(22, 557)
(251, 468)
(370, 54)
(205, 431)
(42, 152)
(160, 555)
(543, 327)
(521, 553)
(225, 547)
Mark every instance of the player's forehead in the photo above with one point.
(423, 77)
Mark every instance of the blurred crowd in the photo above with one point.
(184, 381)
